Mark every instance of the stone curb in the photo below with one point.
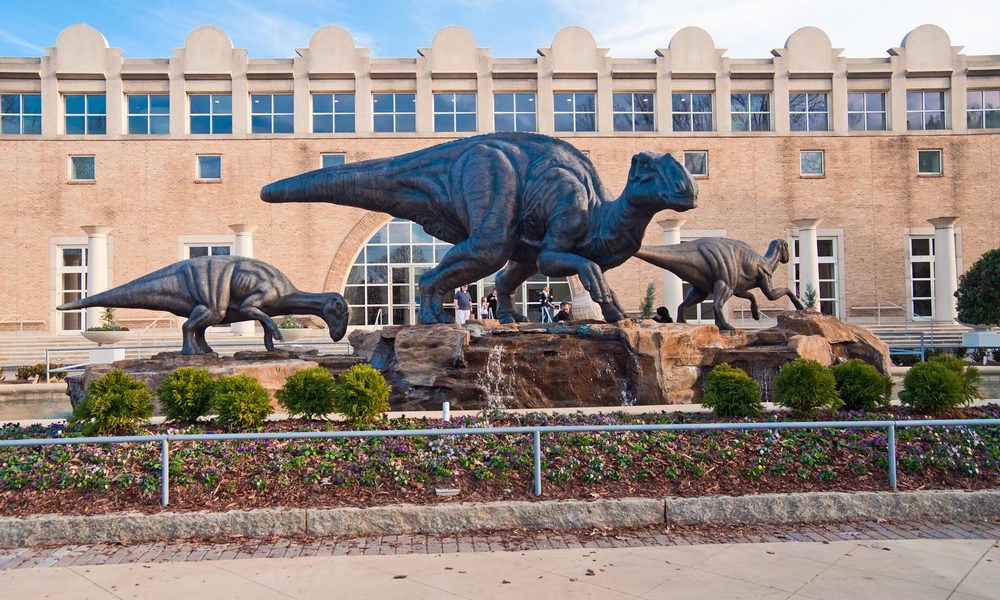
(810, 507)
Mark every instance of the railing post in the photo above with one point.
(923, 354)
(47, 366)
(892, 455)
(537, 451)
(164, 472)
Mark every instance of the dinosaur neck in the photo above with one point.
(301, 303)
(772, 256)
(621, 225)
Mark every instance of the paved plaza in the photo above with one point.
(956, 561)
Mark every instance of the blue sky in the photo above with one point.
(396, 28)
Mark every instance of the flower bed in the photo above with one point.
(94, 479)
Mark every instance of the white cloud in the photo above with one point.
(13, 39)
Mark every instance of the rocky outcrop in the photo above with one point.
(531, 365)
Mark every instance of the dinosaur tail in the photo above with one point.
(355, 184)
(123, 296)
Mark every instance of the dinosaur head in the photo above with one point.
(335, 313)
(779, 248)
(659, 181)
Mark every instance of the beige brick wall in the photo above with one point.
(146, 192)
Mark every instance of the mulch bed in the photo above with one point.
(221, 476)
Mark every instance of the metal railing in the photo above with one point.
(81, 366)
(20, 323)
(884, 305)
(535, 431)
(919, 348)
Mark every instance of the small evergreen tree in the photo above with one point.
(810, 298)
(979, 291)
(646, 308)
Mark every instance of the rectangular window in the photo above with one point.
(929, 162)
(332, 159)
(515, 112)
(812, 162)
(21, 114)
(808, 111)
(575, 111)
(924, 110)
(71, 272)
(211, 114)
(751, 112)
(982, 109)
(395, 112)
(81, 168)
(922, 277)
(209, 166)
(454, 113)
(195, 250)
(272, 113)
(692, 112)
(632, 112)
(148, 114)
(333, 113)
(829, 276)
(866, 111)
(696, 163)
(86, 114)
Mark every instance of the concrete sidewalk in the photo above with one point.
(912, 569)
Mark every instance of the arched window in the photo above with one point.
(383, 283)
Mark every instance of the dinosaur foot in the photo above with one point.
(512, 317)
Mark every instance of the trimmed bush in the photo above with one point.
(730, 392)
(308, 393)
(29, 372)
(362, 394)
(861, 386)
(804, 385)
(979, 291)
(186, 394)
(968, 374)
(115, 403)
(932, 388)
(241, 402)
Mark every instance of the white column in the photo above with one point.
(97, 268)
(244, 247)
(673, 287)
(808, 257)
(945, 273)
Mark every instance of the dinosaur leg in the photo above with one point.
(720, 295)
(199, 337)
(201, 318)
(271, 331)
(508, 280)
(774, 293)
(746, 295)
(694, 296)
(564, 264)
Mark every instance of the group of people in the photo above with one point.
(488, 306)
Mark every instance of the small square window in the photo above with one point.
(332, 159)
(209, 166)
(929, 162)
(81, 168)
(812, 163)
(696, 163)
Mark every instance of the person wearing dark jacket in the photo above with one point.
(563, 314)
(662, 315)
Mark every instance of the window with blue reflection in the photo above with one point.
(692, 112)
(925, 110)
(394, 113)
(454, 112)
(750, 111)
(211, 113)
(632, 111)
(20, 114)
(575, 111)
(515, 112)
(808, 111)
(209, 166)
(148, 114)
(333, 113)
(86, 114)
(272, 113)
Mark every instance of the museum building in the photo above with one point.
(882, 173)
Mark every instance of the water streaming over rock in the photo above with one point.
(497, 384)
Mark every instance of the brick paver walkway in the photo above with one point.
(235, 549)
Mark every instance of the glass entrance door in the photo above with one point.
(71, 272)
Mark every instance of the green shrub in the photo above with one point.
(979, 291)
(861, 386)
(28, 372)
(960, 351)
(968, 374)
(308, 393)
(115, 403)
(730, 392)
(804, 385)
(904, 360)
(241, 402)
(932, 388)
(646, 306)
(186, 394)
(362, 393)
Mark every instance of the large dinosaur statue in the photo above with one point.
(723, 268)
(214, 290)
(529, 201)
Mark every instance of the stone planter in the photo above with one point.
(293, 335)
(105, 338)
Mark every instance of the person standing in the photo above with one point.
(484, 309)
(545, 304)
(463, 305)
(564, 313)
(491, 303)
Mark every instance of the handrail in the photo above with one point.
(20, 322)
(536, 432)
(907, 315)
(159, 317)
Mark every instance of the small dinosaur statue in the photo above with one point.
(532, 202)
(214, 290)
(723, 268)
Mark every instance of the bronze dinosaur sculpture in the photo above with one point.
(216, 290)
(723, 268)
(529, 201)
